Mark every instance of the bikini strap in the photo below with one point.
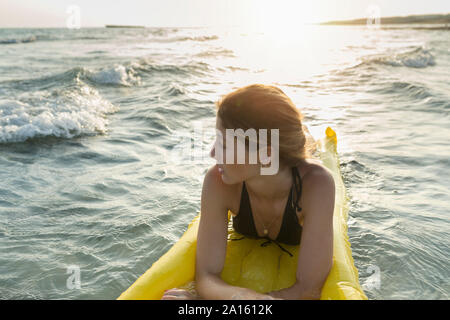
(266, 243)
(298, 189)
(269, 241)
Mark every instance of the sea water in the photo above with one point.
(92, 193)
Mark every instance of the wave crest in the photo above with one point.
(117, 75)
(64, 114)
(417, 58)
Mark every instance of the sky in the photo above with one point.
(199, 13)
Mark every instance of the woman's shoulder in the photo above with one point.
(318, 187)
(312, 170)
(317, 184)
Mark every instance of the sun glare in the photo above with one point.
(282, 18)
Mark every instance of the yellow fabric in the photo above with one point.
(262, 269)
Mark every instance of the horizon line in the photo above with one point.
(228, 26)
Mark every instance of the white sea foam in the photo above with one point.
(72, 113)
(117, 75)
(418, 58)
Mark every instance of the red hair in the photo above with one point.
(261, 106)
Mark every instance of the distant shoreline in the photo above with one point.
(443, 19)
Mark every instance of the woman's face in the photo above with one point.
(231, 173)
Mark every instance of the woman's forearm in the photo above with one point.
(214, 288)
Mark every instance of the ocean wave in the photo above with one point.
(117, 75)
(64, 113)
(200, 38)
(185, 38)
(219, 52)
(129, 74)
(174, 90)
(70, 36)
(161, 32)
(355, 172)
(125, 75)
(302, 84)
(409, 89)
(416, 58)
(48, 37)
(84, 38)
(147, 65)
(19, 40)
(418, 97)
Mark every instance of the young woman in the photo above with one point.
(293, 206)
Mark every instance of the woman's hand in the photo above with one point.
(275, 295)
(179, 294)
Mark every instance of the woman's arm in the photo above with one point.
(212, 243)
(213, 287)
(316, 249)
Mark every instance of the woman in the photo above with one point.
(293, 206)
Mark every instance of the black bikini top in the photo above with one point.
(290, 231)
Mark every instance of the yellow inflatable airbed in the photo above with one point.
(247, 264)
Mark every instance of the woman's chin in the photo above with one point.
(225, 178)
